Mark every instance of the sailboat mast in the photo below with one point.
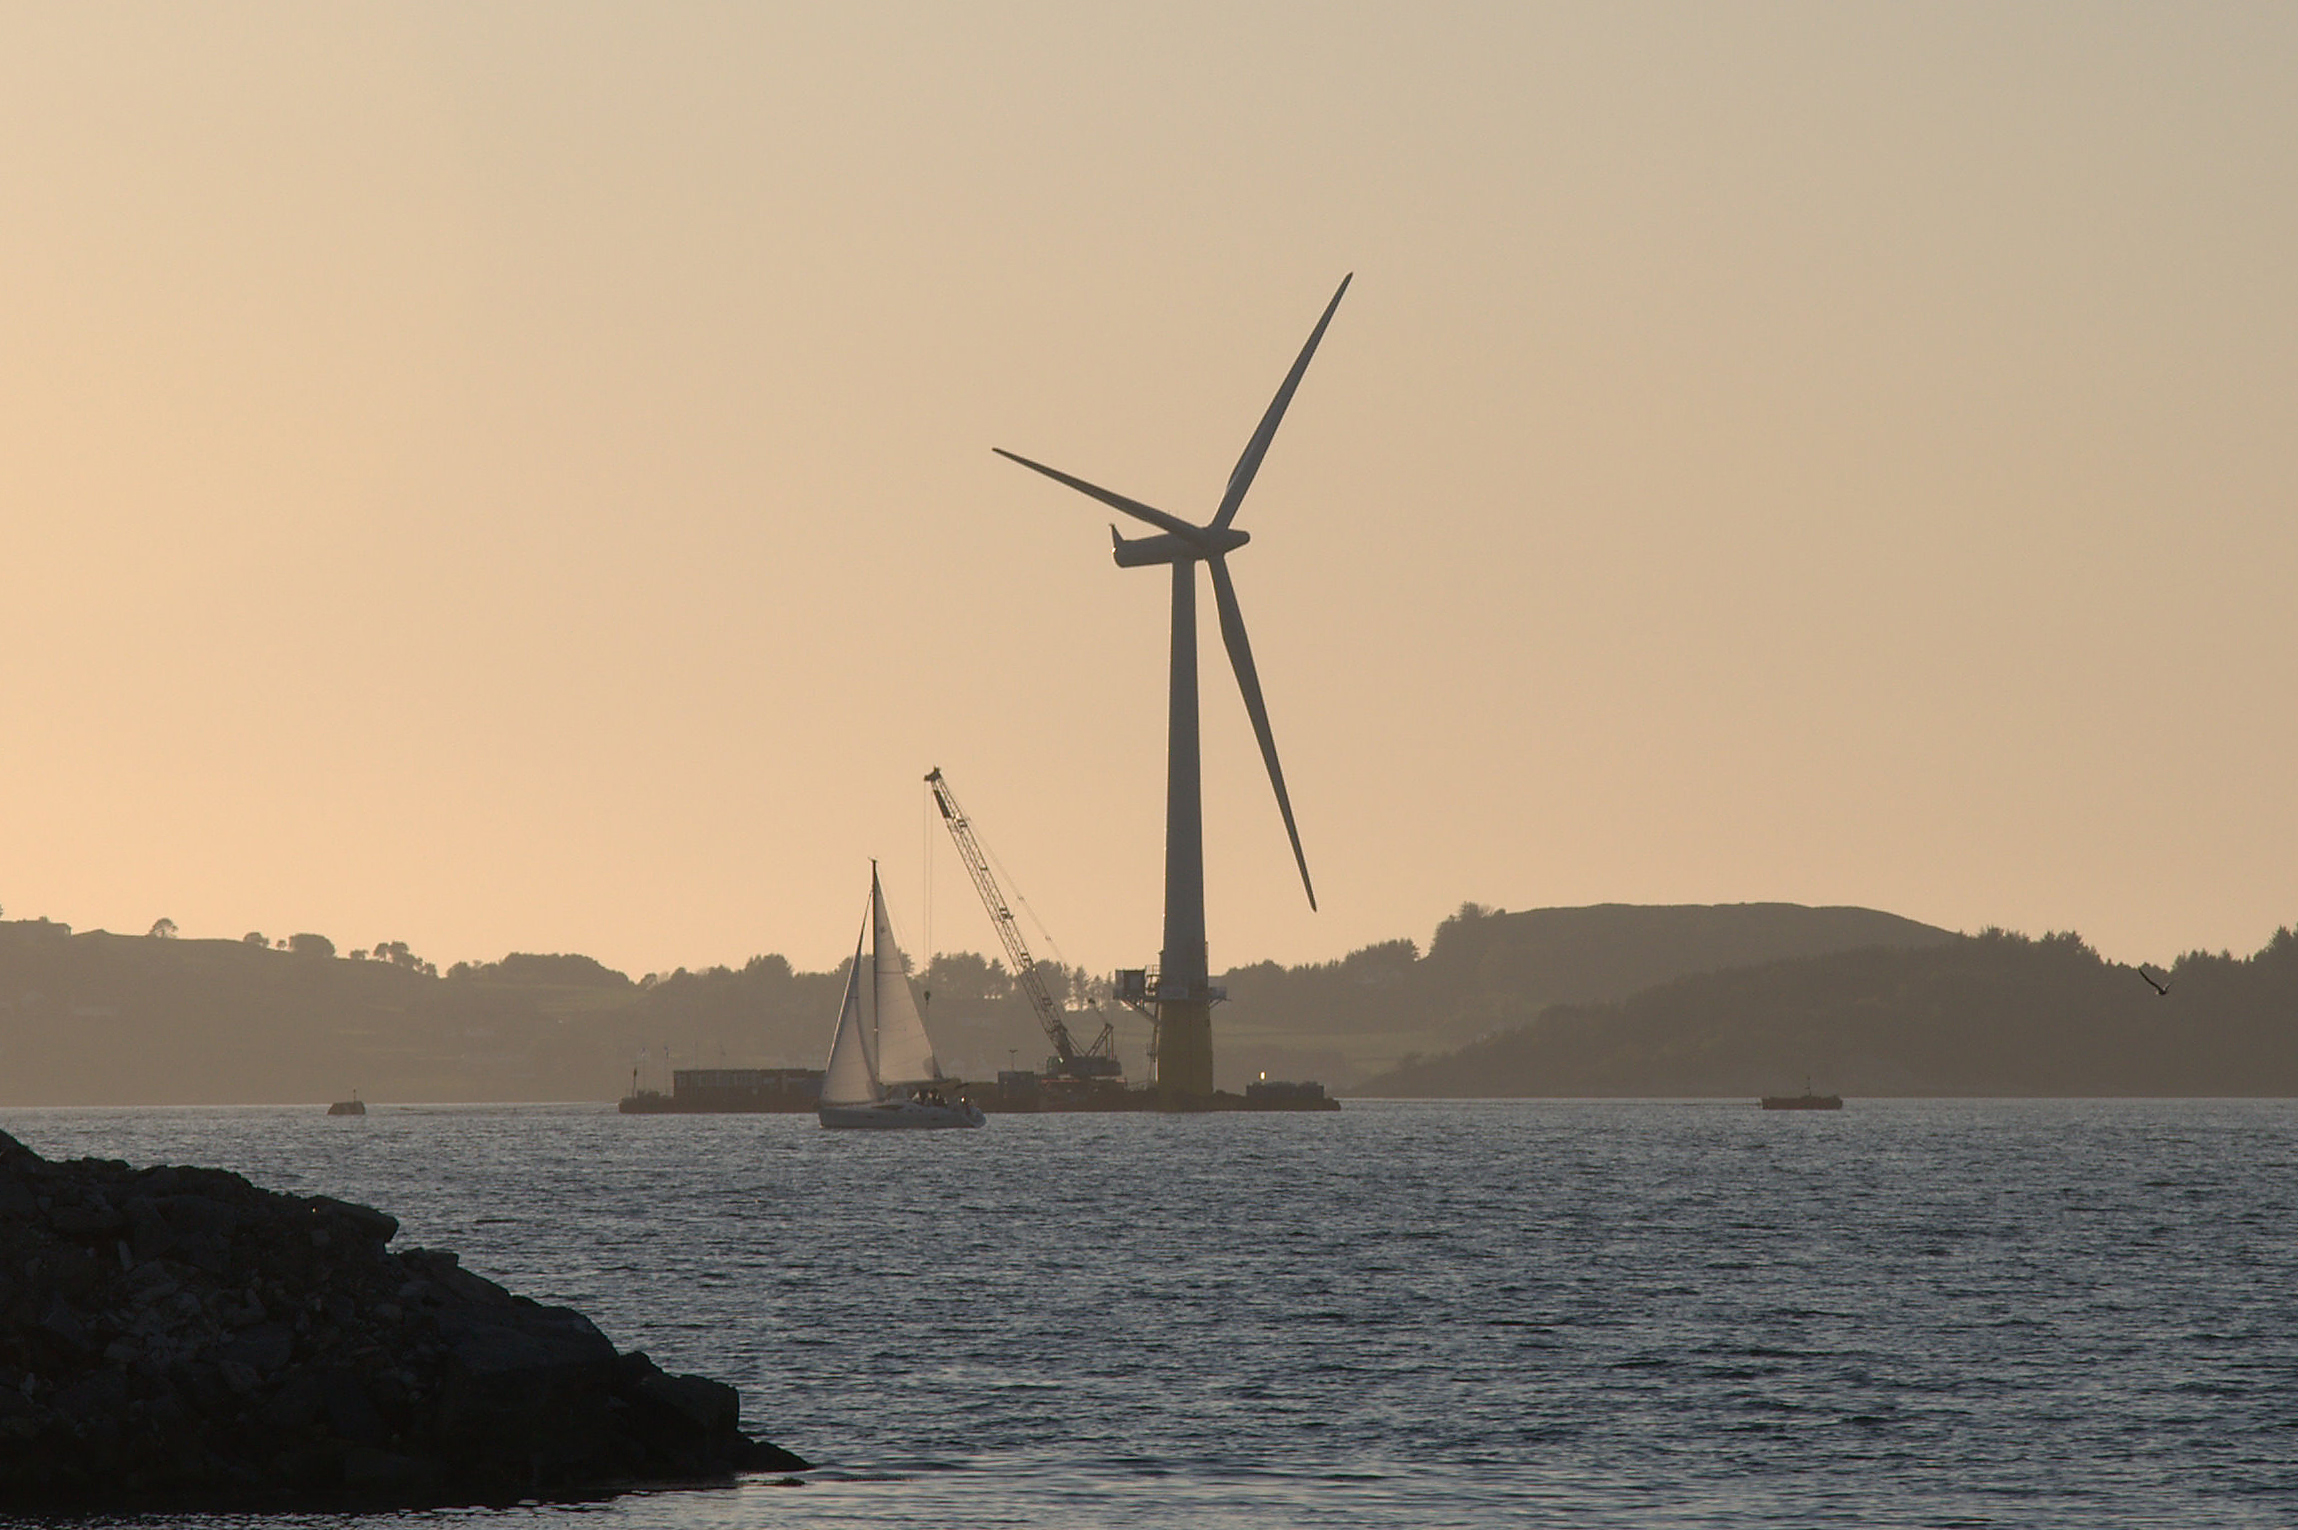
(877, 963)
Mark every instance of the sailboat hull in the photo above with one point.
(900, 1115)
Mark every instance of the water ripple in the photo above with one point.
(1567, 1313)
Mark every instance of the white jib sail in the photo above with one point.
(851, 1077)
(905, 1055)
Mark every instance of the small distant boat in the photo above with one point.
(350, 1107)
(882, 1072)
(1804, 1101)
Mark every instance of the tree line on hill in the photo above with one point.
(104, 1018)
(1992, 1014)
(99, 1018)
(1612, 999)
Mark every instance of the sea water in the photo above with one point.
(1569, 1313)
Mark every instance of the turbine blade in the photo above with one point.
(1241, 478)
(1132, 507)
(1249, 682)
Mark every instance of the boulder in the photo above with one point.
(177, 1338)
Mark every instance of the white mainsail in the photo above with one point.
(904, 1053)
(881, 1038)
(852, 1077)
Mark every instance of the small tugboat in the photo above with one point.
(351, 1107)
(882, 1072)
(1804, 1101)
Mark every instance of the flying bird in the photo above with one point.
(2161, 988)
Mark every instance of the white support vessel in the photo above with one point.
(882, 1072)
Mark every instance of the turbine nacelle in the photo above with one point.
(1171, 547)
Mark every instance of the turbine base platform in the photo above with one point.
(1046, 1097)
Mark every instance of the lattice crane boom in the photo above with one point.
(1068, 1055)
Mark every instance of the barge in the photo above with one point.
(729, 1091)
(1021, 1093)
(797, 1091)
(1804, 1101)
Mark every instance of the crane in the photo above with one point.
(1069, 1060)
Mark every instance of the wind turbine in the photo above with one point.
(1185, 996)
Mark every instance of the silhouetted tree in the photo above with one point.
(1460, 941)
(396, 953)
(255, 938)
(526, 968)
(308, 944)
(163, 928)
(770, 966)
(964, 977)
(1385, 962)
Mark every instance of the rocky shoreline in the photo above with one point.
(176, 1338)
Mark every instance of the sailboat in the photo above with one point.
(882, 1071)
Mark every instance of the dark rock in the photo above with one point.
(263, 1349)
(95, 1215)
(443, 1271)
(176, 1338)
(62, 1322)
(389, 1477)
(94, 1395)
(695, 1401)
(541, 1345)
(349, 1413)
(297, 1404)
(362, 1221)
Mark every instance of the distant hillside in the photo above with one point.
(1489, 970)
(1588, 955)
(97, 1018)
(1736, 999)
(1994, 1014)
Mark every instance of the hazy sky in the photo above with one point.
(519, 477)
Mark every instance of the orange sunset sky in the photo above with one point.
(518, 476)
